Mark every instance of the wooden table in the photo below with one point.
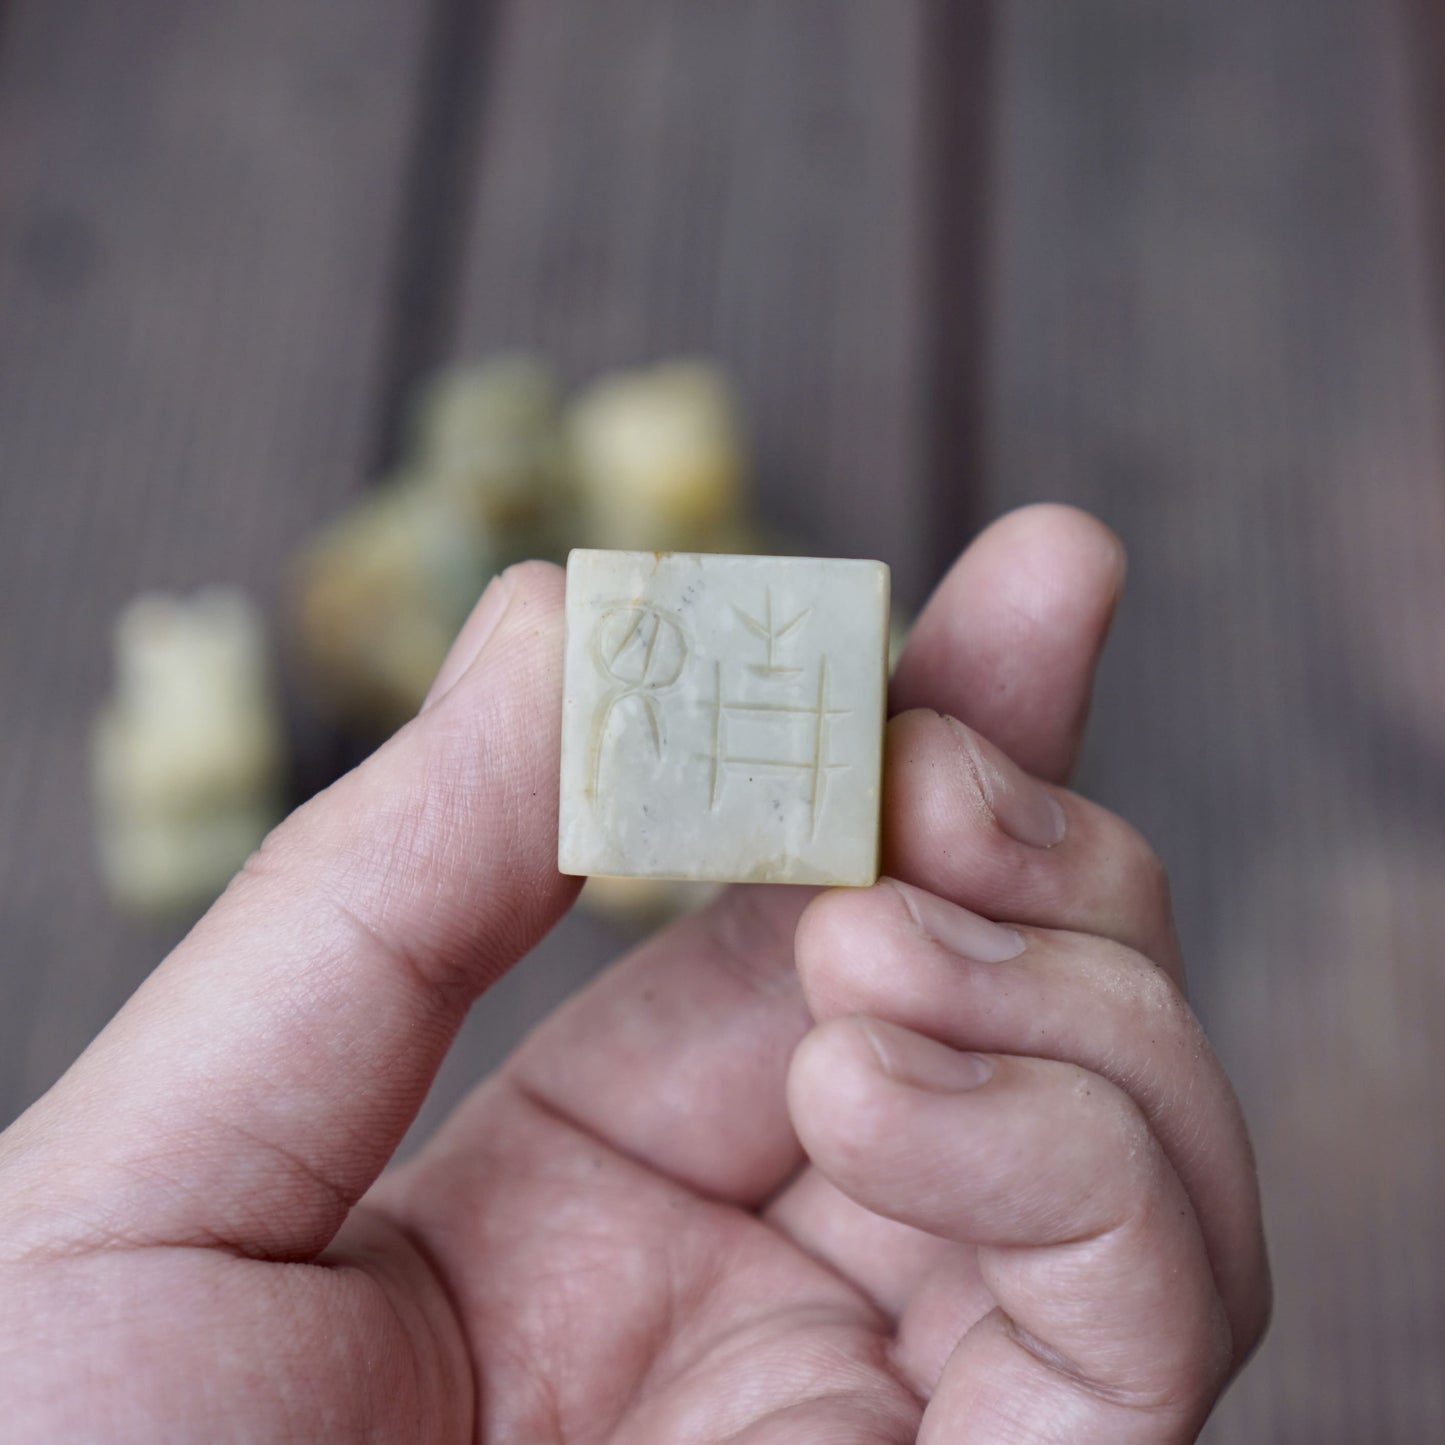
(1166, 260)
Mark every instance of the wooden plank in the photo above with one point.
(739, 179)
(1212, 326)
(201, 213)
(958, 155)
(734, 178)
(1422, 23)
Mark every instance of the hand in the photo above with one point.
(1030, 1212)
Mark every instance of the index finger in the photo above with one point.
(259, 1080)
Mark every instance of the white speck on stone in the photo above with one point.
(723, 717)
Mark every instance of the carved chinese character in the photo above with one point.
(643, 651)
(723, 717)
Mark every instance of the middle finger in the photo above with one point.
(908, 958)
(964, 821)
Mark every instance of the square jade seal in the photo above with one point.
(722, 717)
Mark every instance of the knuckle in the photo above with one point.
(846, 1116)
(1117, 1149)
(838, 918)
(1204, 1369)
(269, 865)
(1128, 891)
(1144, 877)
(1158, 997)
(840, 939)
(1149, 999)
(938, 808)
(1131, 1144)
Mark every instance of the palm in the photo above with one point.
(560, 1293)
(602, 1300)
(635, 1312)
(630, 1239)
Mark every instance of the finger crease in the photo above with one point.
(1059, 1364)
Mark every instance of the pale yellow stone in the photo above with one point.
(723, 717)
(489, 439)
(659, 458)
(381, 592)
(639, 904)
(187, 756)
(378, 598)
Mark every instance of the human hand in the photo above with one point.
(618, 1236)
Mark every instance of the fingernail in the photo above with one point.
(958, 930)
(1022, 806)
(924, 1063)
(470, 641)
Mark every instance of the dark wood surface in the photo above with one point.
(200, 210)
(232, 236)
(1212, 325)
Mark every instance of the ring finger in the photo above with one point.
(900, 955)
(962, 820)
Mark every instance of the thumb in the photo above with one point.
(259, 1080)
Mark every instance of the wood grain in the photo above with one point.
(197, 244)
(734, 179)
(1211, 326)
